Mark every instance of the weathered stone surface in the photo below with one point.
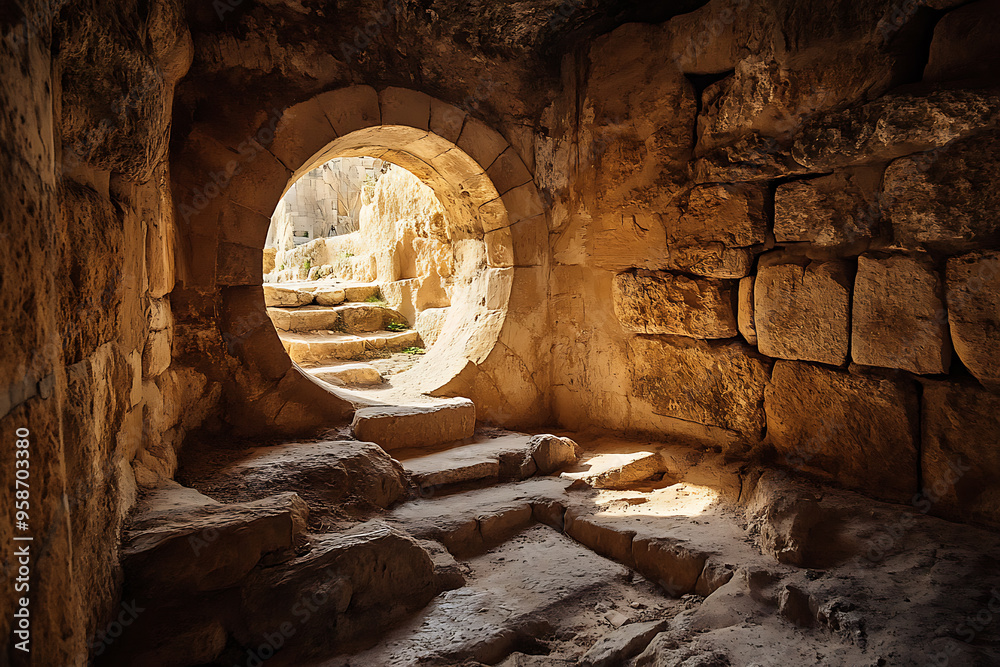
(181, 541)
(550, 453)
(802, 310)
(669, 563)
(621, 470)
(309, 318)
(898, 318)
(829, 210)
(744, 310)
(960, 458)
(327, 473)
(361, 318)
(398, 426)
(718, 384)
(658, 302)
(946, 199)
(429, 324)
(326, 296)
(973, 295)
(859, 431)
(619, 645)
(358, 582)
(892, 126)
(286, 296)
(714, 260)
(360, 292)
(962, 46)
(607, 537)
(733, 214)
(348, 374)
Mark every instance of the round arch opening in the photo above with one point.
(480, 280)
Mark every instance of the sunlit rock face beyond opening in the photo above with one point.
(359, 271)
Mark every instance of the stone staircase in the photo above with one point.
(427, 542)
(325, 327)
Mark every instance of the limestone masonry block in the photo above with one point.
(946, 199)
(481, 142)
(973, 294)
(829, 210)
(286, 296)
(399, 426)
(960, 457)
(658, 302)
(156, 550)
(313, 319)
(350, 109)
(326, 296)
(733, 214)
(713, 260)
(402, 106)
(802, 310)
(744, 310)
(898, 318)
(859, 431)
(719, 384)
(893, 125)
(446, 120)
(349, 374)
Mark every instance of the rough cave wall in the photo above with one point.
(776, 224)
(86, 96)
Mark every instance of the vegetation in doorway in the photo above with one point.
(376, 298)
(396, 326)
(413, 350)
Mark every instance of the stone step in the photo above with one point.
(312, 347)
(668, 536)
(352, 318)
(181, 541)
(348, 374)
(328, 475)
(303, 293)
(416, 425)
(486, 460)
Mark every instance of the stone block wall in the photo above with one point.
(810, 267)
(88, 269)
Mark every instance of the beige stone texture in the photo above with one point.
(802, 310)
(830, 210)
(860, 431)
(275, 295)
(744, 310)
(959, 459)
(719, 384)
(396, 427)
(898, 317)
(658, 302)
(973, 296)
(943, 199)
